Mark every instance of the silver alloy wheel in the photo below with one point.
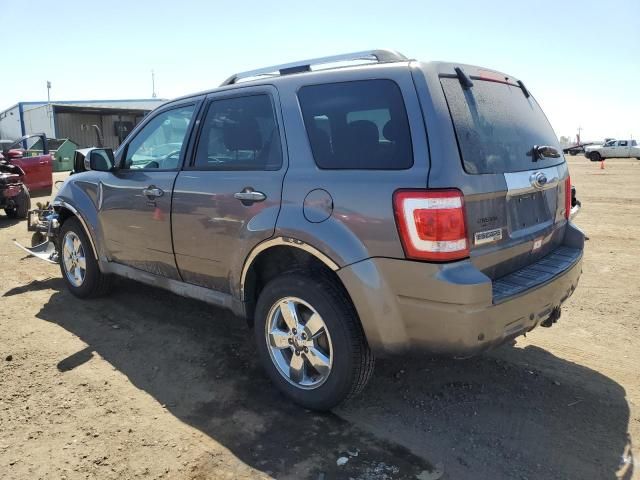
(73, 259)
(299, 343)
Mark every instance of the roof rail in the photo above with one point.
(378, 56)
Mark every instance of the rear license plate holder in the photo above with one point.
(529, 210)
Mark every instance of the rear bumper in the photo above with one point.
(455, 309)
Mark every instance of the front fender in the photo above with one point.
(80, 195)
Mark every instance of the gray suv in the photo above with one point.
(350, 206)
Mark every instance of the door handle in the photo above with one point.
(152, 192)
(248, 196)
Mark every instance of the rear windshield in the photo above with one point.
(497, 126)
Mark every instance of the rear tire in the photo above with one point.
(22, 205)
(335, 341)
(595, 157)
(79, 267)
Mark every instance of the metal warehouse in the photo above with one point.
(75, 120)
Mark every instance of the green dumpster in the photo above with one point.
(61, 149)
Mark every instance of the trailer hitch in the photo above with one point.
(552, 318)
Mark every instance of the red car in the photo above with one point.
(22, 176)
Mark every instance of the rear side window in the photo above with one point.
(357, 125)
(497, 127)
(239, 133)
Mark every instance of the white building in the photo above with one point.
(75, 119)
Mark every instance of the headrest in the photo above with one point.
(389, 132)
(364, 131)
(243, 134)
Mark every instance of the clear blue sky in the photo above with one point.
(581, 59)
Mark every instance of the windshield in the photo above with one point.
(497, 127)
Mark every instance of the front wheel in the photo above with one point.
(79, 267)
(595, 157)
(310, 341)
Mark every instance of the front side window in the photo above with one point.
(159, 144)
(240, 133)
(357, 125)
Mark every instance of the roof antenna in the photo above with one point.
(153, 84)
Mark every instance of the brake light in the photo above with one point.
(431, 224)
(492, 76)
(567, 197)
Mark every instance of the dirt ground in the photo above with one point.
(144, 384)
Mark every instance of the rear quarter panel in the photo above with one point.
(362, 222)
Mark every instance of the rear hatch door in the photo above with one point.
(512, 174)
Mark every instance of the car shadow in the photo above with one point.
(6, 222)
(495, 416)
(199, 362)
(502, 415)
(52, 283)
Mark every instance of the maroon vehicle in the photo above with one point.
(22, 175)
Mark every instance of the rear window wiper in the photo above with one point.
(540, 152)
(465, 81)
(524, 89)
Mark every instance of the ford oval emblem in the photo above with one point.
(538, 180)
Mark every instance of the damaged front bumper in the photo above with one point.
(44, 222)
(46, 251)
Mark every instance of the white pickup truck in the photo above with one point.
(613, 149)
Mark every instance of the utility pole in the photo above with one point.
(153, 84)
(578, 139)
(49, 109)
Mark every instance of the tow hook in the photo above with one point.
(552, 318)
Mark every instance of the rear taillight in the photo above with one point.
(431, 224)
(567, 197)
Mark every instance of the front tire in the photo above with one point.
(79, 267)
(310, 341)
(595, 157)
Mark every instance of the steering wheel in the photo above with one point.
(175, 152)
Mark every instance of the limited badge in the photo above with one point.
(487, 236)
(537, 243)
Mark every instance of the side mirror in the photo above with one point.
(100, 159)
(15, 153)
